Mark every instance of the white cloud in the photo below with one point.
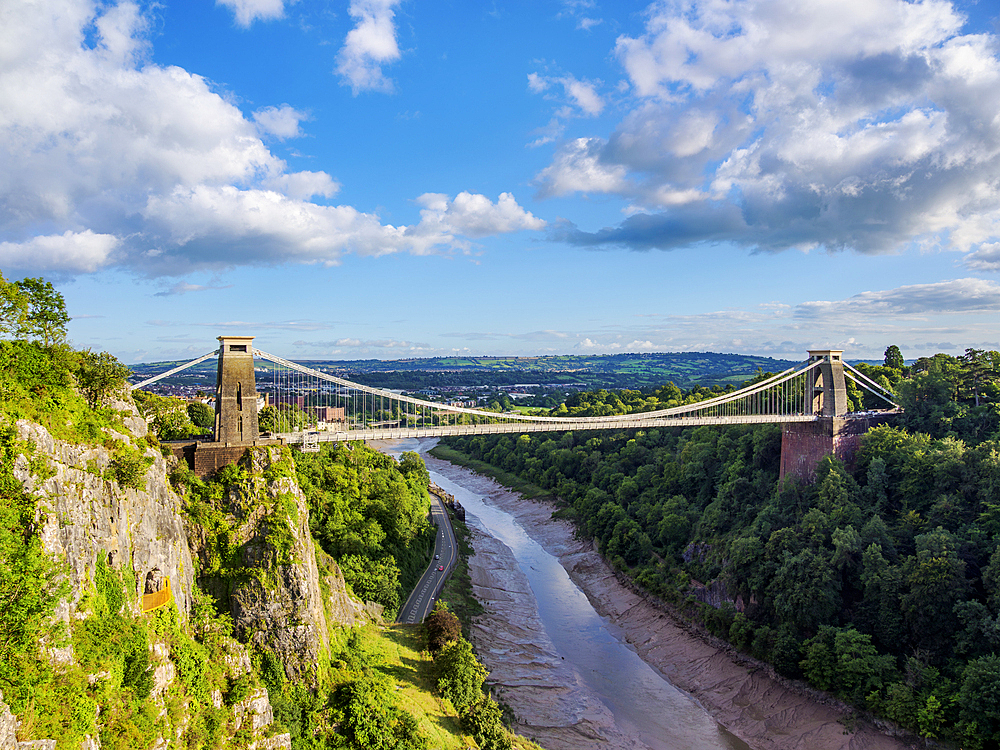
(986, 258)
(579, 10)
(578, 167)
(945, 297)
(113, 160)
(224, 226)
(369, 45)
(70, 252)
(580, 93)
(281, 122)
(845, 124)
(474, 215)
(584, 94)
(248, 11)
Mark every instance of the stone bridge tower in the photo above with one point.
(236, 424)
(236, 398)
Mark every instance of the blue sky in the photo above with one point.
(408, 178)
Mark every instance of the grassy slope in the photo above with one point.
(402, 651)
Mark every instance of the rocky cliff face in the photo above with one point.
(280, 605)
(85, 516)
(276, 598)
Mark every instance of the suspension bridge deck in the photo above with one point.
(637, 422)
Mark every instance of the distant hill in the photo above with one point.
(685, 369)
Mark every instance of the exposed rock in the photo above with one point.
(164, 672)
(281, 607)
(84, 516)
(256, 708)
(276, 602)
(8, 726)
(277, 742)
(341, 607)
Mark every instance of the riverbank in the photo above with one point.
(766, 711)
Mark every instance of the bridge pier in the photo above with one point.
(805, 444)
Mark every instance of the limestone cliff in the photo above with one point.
(86, 516)
(272, 584)
(280, 600)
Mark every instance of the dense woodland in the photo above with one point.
(879, 583)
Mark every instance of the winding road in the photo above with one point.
(421, 600)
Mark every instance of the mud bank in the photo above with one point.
(526, 673)
(765, 711)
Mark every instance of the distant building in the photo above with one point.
(329, 413)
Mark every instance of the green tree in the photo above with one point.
(460, 675)
(27, 593)
(484, 721)
(267, 419)
(930, 718)
(99, 376)
(412, 465)
(371, 720)
(13, 308)
(167, 415)
(894, 358)
(935, 577)
(44, 317)
(373, 580)
(202, 415)
(442, 627)
(805, 591)
(979, 700)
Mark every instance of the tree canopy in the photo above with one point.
(32, 309)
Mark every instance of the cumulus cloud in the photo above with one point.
(281, 122)
(579, 167)
(368, 46)
(843, 124)
(70, 252)
(986, 258)
(248, 11)
(112, 160)
(473, 215)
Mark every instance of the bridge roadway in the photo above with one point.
(397, 433)
(421, 600)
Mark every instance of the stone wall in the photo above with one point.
(805, 444)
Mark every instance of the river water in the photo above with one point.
(646, 711)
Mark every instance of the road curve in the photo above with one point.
(421, 600)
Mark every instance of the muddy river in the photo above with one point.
(583, 662)
(584, 682)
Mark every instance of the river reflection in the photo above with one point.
(644, 704)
